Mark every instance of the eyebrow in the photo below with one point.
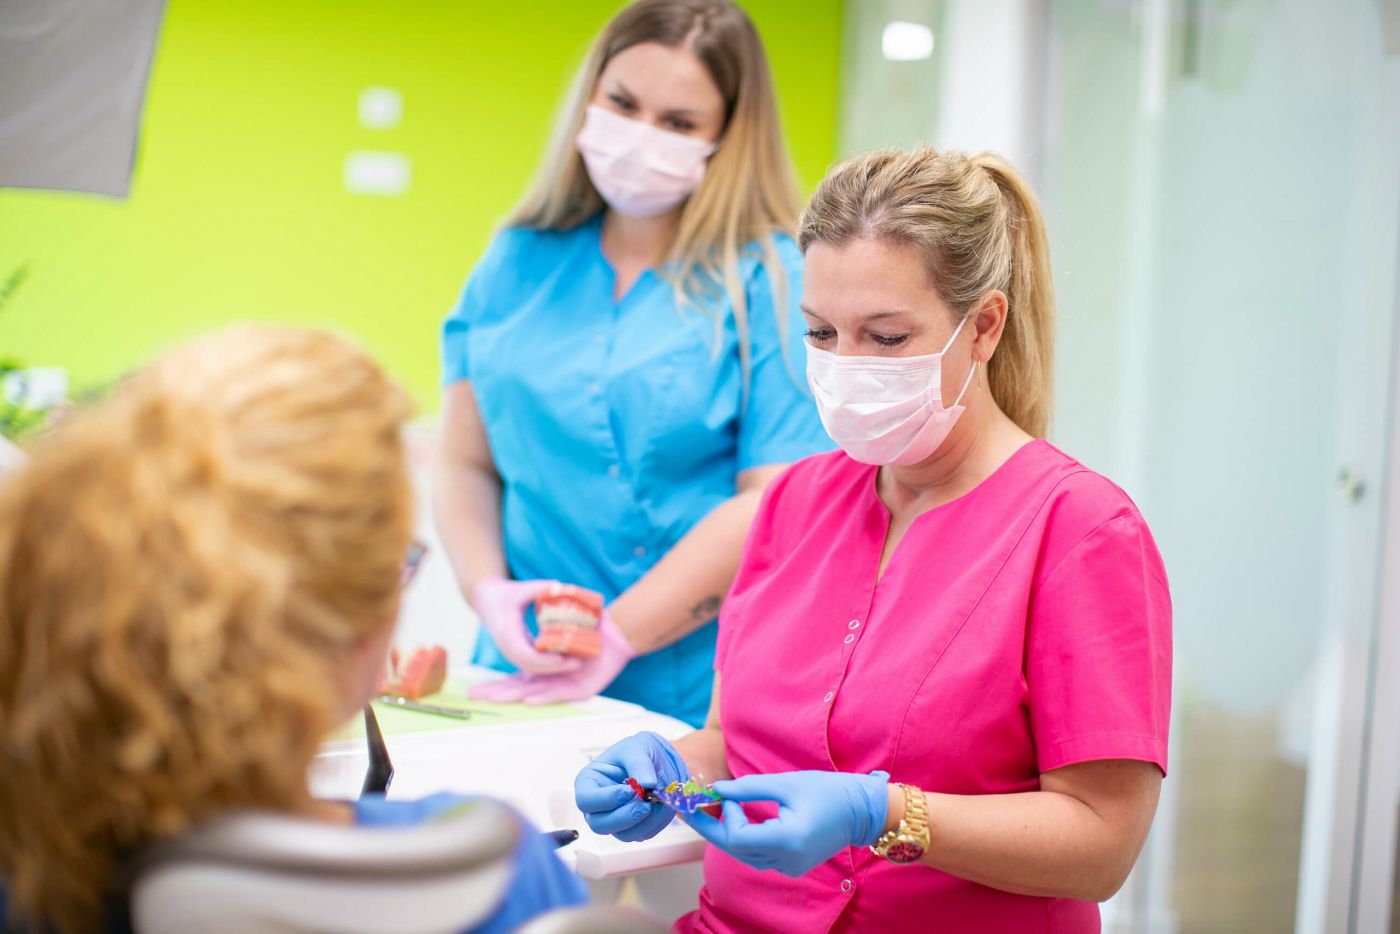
(875, 317)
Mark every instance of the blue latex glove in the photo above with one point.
(819, 815)
(609, 804)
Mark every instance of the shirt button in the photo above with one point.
(600, 338)
(595, 388)
(853, 624)
(640, 551)
(850, 637)
(847, 885)
(829, 696)
(614, 470)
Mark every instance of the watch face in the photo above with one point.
(902, 851)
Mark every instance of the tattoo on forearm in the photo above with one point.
(702, 612)
(706, 609)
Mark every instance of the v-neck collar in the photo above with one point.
(885, 517)
(610, 271)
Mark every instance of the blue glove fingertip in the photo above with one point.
(613, 773)
(734, 812)
(636, 812)
(711, 830)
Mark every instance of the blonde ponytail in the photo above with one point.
(1021, 372)
(980, 227)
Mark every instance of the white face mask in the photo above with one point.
(640, 170)
(885, 410)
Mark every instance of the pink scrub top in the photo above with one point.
(1023, 627)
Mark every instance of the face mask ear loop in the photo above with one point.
(956, 331)
(967, 382)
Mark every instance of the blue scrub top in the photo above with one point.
(617, 425)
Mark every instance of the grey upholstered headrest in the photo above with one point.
(483, 832)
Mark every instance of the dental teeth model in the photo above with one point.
(568, 619)
(422, 672)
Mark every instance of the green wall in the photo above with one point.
(238, 211)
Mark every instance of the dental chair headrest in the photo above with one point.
(253, 871)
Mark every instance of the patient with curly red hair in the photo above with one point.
(199, 578)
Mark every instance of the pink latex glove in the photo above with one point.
(501, 605)
(592, 675)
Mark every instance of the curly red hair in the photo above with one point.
(184, 569)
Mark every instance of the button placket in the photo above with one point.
(847, 646)
(597, 388)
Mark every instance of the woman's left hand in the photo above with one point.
(590, 677)
(819, 815)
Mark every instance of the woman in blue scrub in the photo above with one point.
(623, 368)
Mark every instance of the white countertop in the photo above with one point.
(532, 766)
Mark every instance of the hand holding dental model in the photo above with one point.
(546, 677)
(819, 815)
(604, 791)
(501, 605)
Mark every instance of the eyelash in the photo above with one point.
(822, 335)
(680, 126)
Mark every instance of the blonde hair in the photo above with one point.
(749, 191)
(183, 571)
(979, 226)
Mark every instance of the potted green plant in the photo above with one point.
(17, 420)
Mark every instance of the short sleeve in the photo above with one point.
(779, 423)
(476, 294)
(1099, 650)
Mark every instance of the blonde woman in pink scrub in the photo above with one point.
(944, 669)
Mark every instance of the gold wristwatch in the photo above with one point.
(907, 842)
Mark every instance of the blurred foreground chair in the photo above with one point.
(276, 873)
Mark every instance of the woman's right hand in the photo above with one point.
(609, 804)
(501, 605)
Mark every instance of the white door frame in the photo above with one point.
(1378, 819)
(1379, 822)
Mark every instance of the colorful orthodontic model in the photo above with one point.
(568, 618)
(682, 798)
